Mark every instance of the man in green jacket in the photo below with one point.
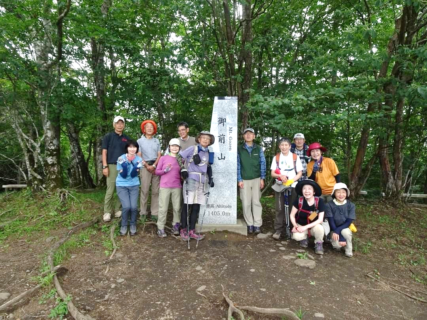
(251, 170)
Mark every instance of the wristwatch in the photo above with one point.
(104, 167)
(154, 166)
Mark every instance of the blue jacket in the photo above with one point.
(128, 181)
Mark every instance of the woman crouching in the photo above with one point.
(307, 215)
(340, 214)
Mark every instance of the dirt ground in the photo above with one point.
(152, 278)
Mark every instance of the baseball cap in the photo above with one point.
(299, 136)
(249, 129)
(118, 118)
(174, 142)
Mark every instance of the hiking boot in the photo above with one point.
(143, 218)
(106, 217)
(154, 218)
(133, 230)
(175, 229)
(118, 214)
(257, 230)
(195, 236)
(303, 243)
(250, 229)
(184, 234)
(277, 235)
(123, 230)
(161, 233)
(318, 248)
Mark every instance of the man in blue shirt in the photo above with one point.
(251, 170)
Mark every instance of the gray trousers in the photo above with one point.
(147, 180)
(282, 219)
(250, 195)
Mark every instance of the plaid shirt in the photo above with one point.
(304, 160)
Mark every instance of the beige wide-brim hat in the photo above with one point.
(206, 133)
(341, 185)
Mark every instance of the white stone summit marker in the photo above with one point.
(221, 210)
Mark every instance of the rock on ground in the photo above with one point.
(305, 263)
(263, 235)
(4, 295)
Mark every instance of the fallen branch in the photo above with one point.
(12, 304)
(5, 212)
(396, 289)
(288, 314)
(7, 223)
(75, 313)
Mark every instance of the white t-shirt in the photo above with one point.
(286, 165)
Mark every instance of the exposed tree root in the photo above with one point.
(75, 313)
(288, 314)
(113, 227)
(392, 286)
(20, 299)
(232, 308)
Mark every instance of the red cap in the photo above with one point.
(148, 121)
(315, 145)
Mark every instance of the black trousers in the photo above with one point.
(194, 215)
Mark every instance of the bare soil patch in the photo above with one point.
(152, 278)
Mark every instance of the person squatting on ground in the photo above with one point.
(341, 213)
(199, 179)
(113, 145)
(286, 168)
(307, 215)
(323, 170)
(300, 149)
(251, 170)
(169, 169)
(149, 151)
(127, 185)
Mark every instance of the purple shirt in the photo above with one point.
(171, 179)
(187, 155)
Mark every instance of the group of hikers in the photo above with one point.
(310, 200)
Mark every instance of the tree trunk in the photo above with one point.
(79, 171)
(246, 60)
(98, 67)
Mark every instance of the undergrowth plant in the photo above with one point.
(61, 308)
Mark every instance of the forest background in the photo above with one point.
(350, 74)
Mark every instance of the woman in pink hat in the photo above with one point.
(323, 170)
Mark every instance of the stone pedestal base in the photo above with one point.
(240, 227)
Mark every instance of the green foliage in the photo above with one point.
(61, 308)
(302, 255)
(324, 71)
(47, 296)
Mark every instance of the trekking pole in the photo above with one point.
(287, 212)
(188, 215)
(203, 216)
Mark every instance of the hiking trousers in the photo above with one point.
(109, 206)
(147, 180)
(317, 232)
(165, 195)
(250, 195)
(280, 223)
